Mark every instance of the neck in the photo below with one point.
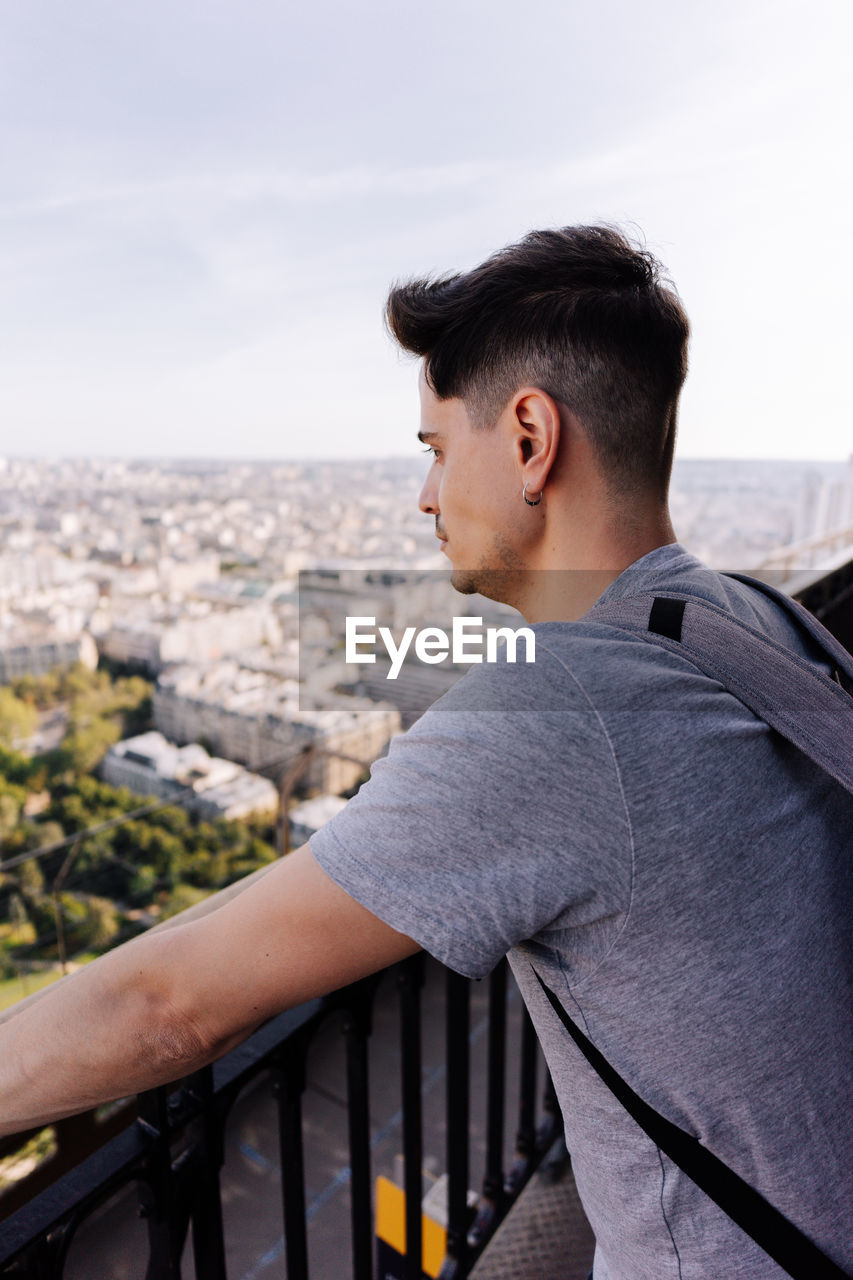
(570, 574)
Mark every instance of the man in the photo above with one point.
(674, 870)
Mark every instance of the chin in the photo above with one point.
(491, 583)
(465, 581)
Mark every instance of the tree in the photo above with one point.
(19, 769)
(10, 811)
(184, 896)
(142, 884)
(101, 923)
(18, 720)
(79, 680)
(88, 923)
(30, 877)
(87, 744)
(41, 691)
(172, 819)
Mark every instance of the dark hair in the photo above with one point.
(580, 312)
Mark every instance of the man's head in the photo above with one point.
(580, 313)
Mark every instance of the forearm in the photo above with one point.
(113, 1029)
(171, 1001)
(102, 1032)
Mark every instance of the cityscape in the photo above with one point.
(155, 564)
(196, 609)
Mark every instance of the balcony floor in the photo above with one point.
(544, 1237)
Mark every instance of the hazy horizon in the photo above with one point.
(391, 458)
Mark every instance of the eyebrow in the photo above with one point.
(425, 436)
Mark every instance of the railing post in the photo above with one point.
(458, 1081)
(552, 1121)
(491, 1203)
(44, 1260)
(208, 1240)
(525, 1138)
(289, 1088)
(357, 1027)
(410, 978)
(159, 1203)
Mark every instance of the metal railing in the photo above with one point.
(818, 552)
(829, 596)
(174, 1150)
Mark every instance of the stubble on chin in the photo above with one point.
(497, 579)
(505, 586)
(502, 585)
(467, 581)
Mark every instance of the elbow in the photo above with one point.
(171, 1043)
(178, 1017)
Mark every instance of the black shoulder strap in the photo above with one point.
(769, 1228)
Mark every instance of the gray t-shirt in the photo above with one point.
(681, 877)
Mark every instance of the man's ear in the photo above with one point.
(537, 425)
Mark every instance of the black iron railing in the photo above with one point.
(174, 1151)
(828, 594)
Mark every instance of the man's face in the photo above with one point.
(473, 491)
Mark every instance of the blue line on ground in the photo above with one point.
(265, 1260)
(257, 1157)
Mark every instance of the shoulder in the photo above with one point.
(542, 685)
(672, 569)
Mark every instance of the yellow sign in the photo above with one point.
(391, 1227)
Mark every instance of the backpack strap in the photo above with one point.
(769, 1228)
(840, 658)
(810, 708)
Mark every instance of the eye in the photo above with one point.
(436, 453)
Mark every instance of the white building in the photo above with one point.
(255, 718)
(205, 636)
(307, 817)
(152, 766)
(35, 652)
(176, 577)
(25, 574)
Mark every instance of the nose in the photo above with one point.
(428, 500)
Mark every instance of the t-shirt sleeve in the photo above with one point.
(497, 816)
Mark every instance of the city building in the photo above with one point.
(154, 638)
(307, 817)
(150, 765)
(255, 718)
(35, 651)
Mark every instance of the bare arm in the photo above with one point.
(173, 1000)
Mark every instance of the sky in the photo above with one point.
(202, 206)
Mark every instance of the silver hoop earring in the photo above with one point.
(530, 501)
